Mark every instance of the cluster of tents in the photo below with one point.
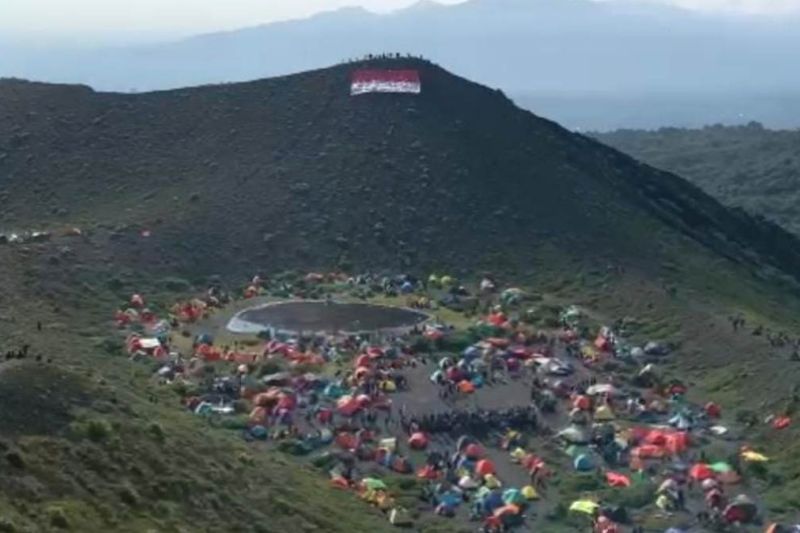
(612, 425)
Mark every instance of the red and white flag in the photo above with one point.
(385, 81)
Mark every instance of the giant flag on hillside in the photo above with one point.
(385, 81)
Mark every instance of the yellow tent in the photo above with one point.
(584, 506)
(389, 445)
(603, 413)
(663, 502)
(530, 493)
(491, 481)
(754, 457)
(518, 454)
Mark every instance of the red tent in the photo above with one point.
(781, 422)
(473, 451)
(418, 441)
(601, 343)
(582, 402)
(484, 467)
(615, 479)
(677, 442)
(701, 471)
(713, 410)
(362, 361)
(347, 441)
(347, 405)
(648, 451)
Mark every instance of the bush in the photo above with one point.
(98, 430)
(421, 344)
(235, 422)
(634, 497)
(156, 431)
(128, 495)
(111, 345)
(746, 417)
(15, 459)
(7, 526)
(272, 366)
(176, 284)
(57, 518)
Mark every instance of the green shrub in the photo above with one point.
(176, 284)
(156, 430)
(98, 430)
(111, 345)
(57, 518)
(636, 496)
(15, 459)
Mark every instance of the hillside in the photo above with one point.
(748, 166)
(306, 175)
(603, 68)
(173, 189)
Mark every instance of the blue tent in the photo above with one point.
(492, 501)
(472, 352)
(583, 463)
(204, 338)
(259, 432)
(450, 499)
(333, 391)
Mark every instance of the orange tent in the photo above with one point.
(466, 387)
(506, 510)
(484, 467)
(428, 472)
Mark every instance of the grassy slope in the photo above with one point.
(106, 448)
(743, 166)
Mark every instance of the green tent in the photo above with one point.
(374, 484)
(721, 467)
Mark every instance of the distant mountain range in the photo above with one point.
(587, 64)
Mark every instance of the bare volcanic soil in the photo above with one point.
(330, 316)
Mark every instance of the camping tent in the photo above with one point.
(583, 463)
(584, 506)
(574, 435)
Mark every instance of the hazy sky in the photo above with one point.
(109, 19)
